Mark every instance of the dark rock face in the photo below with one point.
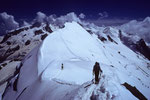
(8, 53)
(8, 43)
(3, 65)
(18, 31)
(14, 49)
(16, 80)
(36, 24)
(89, 31)
(110, 39)
(139, 46)
(38, 32)
(135, 91)
(27, 42)
(127, 41)
(102, 38)
(80, 24)
(48, 29)
(15, 32)
(143, 48)
(44, 36)
(6, 37)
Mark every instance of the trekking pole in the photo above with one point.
(92, 77)
(100, 75)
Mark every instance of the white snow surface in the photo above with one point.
(41, 76)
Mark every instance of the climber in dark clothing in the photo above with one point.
(96, 70)
(62, 66)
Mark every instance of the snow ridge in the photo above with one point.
(41, 76)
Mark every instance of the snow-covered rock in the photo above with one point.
(15, 45)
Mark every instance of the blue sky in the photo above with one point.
(26, 9)
(99, 12)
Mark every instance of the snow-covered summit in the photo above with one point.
(42, 77)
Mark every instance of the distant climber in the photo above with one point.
(96, 70)
(62, 66)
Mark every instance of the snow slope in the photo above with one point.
(41, 76)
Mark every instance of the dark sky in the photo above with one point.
(91, 8)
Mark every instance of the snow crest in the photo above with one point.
(72, 46)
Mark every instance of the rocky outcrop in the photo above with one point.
(143, 48)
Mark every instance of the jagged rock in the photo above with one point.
(8, 53)
(14, 49)
(37, 32)
(89, 31)
(139, 46)
(15, 32)
(44, 36)
(48, 29)
(18, 31)
(143, 48)
(110, 39)
(102, 38)
(5, 38)
(36, 24)
(135, 91)
(4, 64)
(8, 43)
(27, 42)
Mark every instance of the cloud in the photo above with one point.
(102, 20)
(138, 28)
(109, 21)
(40, 17)
(67, 18)
(103, 14)
(25, 23)
(82, 16)
(53, 19)
(7, 23)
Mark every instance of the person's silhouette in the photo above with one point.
(62, 66)
(96, 70)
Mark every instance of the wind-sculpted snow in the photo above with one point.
(42, 76)
(67, 46)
